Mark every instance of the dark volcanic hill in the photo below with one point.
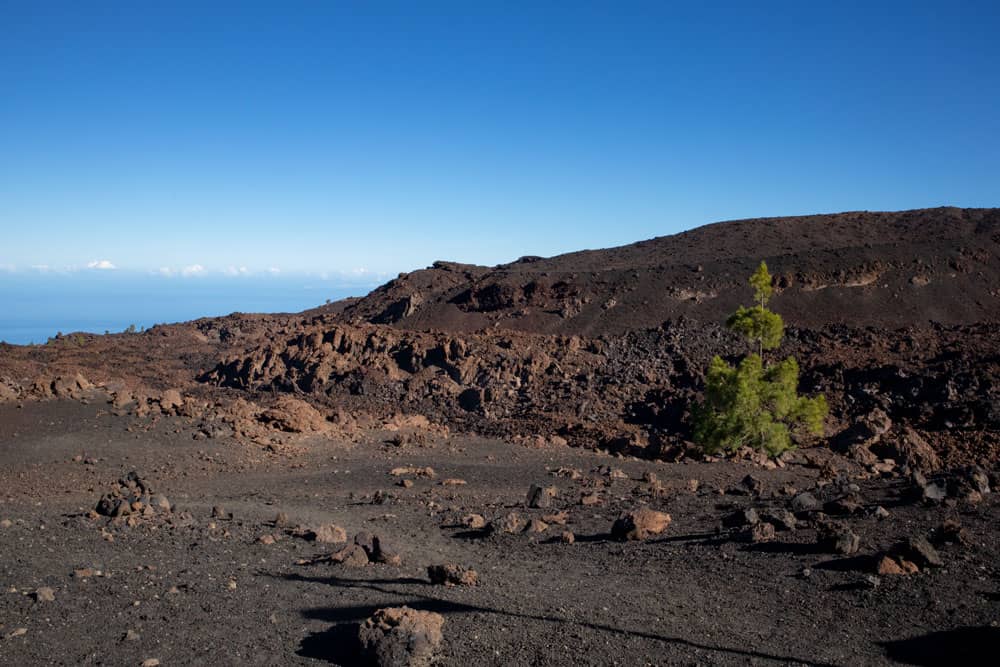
(859, 268)
(894, 316)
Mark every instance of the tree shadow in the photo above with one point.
(961, 646)
(339, 644)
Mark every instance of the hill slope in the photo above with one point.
(859, 268)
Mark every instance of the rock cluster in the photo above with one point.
(133, 496)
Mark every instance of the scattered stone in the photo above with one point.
(218, 512)
(567, 537)
(426, 472)
(933, 493)
(536, 526)
(383, 552)
(692, 485)
(266, 539)
(539, 497)
(759, 532)
(740, 518)
(881, 513)
(474, 521)
(805, 502)
(951, 532)
(571, 473)
(752, 485)
(559, 518)
(453, 481)
(405, 483)
(639, 524)
(44, 594)
(17, 632)
(131, 636)
(781, 519)
(978, 479)
(895, 566)
(84, 573)
(151, 662)
(844, 506)
(920, 551)
(911, 450)
(838, 539)
(6, 523)
(350, 556)
(509, 523)
(452, 575)
(280, 520)
(590, 499)
(329, 533)
(400, 636)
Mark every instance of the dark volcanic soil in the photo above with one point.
(693, 596)
(575, 372)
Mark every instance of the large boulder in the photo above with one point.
(294, 415)
(401, 637)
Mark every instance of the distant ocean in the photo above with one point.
(34, 308)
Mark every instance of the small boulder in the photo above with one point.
(740, 518)
(536, 526)
(894, 566)
(639, 524)
(540, 497)
(44, 594)
(400, 636)
(781, 519)
(509, 523)
(384, 553)
(837, 538)
(474, 521)
(452, 575)
(329, 533)
(933, 493)
(805, 502)
(350, 556)
(920, 551)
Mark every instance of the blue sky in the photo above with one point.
(376, 137)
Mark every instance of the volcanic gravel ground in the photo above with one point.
(200, 590)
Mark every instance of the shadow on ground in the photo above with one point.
(961, 646)
(339, 644)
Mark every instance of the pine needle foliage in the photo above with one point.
(756, 404)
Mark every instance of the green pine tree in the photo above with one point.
(756, 404)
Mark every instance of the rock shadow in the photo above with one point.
(961, 646)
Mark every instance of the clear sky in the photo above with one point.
(377, 136)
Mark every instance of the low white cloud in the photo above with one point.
(42, 268)
(101, 265)
(274, 270)
(237, 271)
(8, 268)
(193, 270)
(165, 271)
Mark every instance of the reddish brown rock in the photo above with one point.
(452, 575)
(640, 524)
(400, 636)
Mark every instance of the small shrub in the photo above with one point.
(756, 404)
